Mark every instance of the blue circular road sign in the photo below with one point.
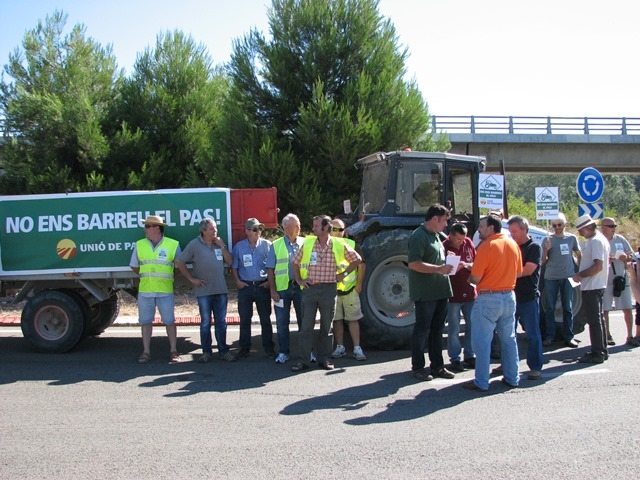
(590, 185)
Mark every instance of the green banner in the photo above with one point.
(97, 231)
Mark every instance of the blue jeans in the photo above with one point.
(529, 314)
(261, 296)
(427, 331)
(292, 294)
(495, 312)
(218, 305)
(453, 330)
(551, 288)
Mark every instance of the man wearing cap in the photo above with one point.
(208, 255)
(249, 270)
(620, 253)
(592, 275)
(153, 258)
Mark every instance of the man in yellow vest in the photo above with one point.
(316, 271)
(284, 290)
(348, 309)
(153, 258)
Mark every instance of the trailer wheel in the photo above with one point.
(53, 321)
(103, 314)
(388, 311)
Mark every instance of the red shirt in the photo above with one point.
(463, 291)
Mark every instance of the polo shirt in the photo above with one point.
(425, 246)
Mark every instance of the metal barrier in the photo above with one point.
(536, 125)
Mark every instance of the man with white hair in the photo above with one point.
(592, 275)
(560, 255)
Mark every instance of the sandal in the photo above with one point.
(300, 367)
(144, 357)
(174, 357)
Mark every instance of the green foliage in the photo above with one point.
(165, 115)
(326, 89)
(54, 106)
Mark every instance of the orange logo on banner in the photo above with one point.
(66, 249)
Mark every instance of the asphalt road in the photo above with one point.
(96, 413)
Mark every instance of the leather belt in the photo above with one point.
(492, 292)
(257, 282)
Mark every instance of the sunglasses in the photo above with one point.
(556, 225)
(610, 226)
(255, 229)
(149, 226)
(336, 229)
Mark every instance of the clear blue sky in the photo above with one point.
(502, 57)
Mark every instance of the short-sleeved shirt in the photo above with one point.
(560, 263)
(618, 244)
(323, 269)
(425, 246)
(595, 248)
(251, 263)
(463, 291)
(208, 265)
(292, 250)
(527, 287)
(498, 262)
(135, 263)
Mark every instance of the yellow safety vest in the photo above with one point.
(351, 280)
(281, 271)
(307, 248)
(156, 265)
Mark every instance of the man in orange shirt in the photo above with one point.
(497, 265)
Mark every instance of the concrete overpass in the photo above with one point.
(546, 144)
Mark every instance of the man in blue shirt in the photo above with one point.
(249, 270)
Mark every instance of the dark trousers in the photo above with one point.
(592, 305)
(261, 296)
(427, 331)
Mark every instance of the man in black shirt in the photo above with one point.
(527, 293)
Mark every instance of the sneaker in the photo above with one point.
(443, 373)
(340, 351)
(610, 340)
(456, 366)
(228, 357)
(282, 358)
(243, 353)
(204, 358)
(534, 375)
(312, 358)
(358, 354)
(422, 375)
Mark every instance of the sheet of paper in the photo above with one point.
(573, 283)
(453, 260)
(279, 304)
(619, 253)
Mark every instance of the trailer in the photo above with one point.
(68, 254)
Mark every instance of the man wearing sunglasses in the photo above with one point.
(153, 258)
(249, 270)
(620, 253)
(348, 308)
(560, 256)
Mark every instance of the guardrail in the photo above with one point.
(536, 125)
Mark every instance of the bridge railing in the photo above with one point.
(536, 125)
